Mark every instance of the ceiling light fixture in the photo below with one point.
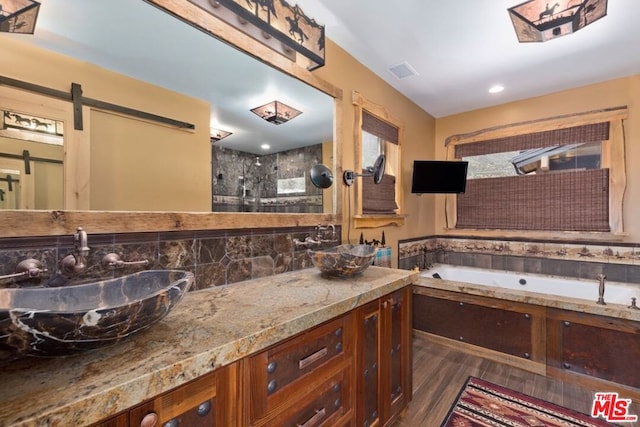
(18, 16)
(282, 27)
(217, 134)
(276, 112)
(542, 20)
(496, 89)
(265, 147)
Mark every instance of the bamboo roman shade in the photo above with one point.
(576, 200)
(379, 128)
(563, 201)
(587, 133)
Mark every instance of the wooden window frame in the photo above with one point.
(361, 220)
(613, 157)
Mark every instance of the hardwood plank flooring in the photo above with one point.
(439, 373)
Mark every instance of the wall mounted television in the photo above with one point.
(439, 176)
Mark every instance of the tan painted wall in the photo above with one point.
(343, 71)
(619, 92)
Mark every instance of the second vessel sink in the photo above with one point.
(61, 321)
(344, 260)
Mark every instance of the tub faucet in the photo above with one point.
(601, 278)
(76, 262)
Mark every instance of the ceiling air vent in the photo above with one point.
(403, 70)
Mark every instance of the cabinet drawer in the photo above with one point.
(292, 370)
(325, 407)
(290, 361)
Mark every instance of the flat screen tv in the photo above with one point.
(439, 176)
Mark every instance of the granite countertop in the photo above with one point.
(554, 301)
(209, 329)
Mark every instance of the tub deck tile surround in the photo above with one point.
(209, 329)
(585, 260)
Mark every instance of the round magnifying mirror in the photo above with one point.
(378, 169)
(321, 176)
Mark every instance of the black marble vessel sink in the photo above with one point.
(53, 322)
(343, 260)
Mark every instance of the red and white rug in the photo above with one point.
(484, 404)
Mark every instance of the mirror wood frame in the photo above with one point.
(16, 223)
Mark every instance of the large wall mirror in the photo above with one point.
(152, 61)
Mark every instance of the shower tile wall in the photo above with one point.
(245, 182)
(215, 257)
(619, 262)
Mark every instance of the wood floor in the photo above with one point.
(440, 372)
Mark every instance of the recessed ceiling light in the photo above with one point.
(265, 146)
(496, 89)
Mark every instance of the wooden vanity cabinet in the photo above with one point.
(383, 362)
(207, 401)
(305, 380)
(354, 370)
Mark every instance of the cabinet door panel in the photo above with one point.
(192, 404)
(369, 367)
(510, 331)
(397, 349)
(601, 352)
(201, 415)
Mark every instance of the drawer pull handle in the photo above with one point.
(320, 413)
(303, 363)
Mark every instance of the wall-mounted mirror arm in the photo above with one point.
(376, 171)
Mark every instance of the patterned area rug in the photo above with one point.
(483, 404)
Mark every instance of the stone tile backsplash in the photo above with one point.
(216, 257)
(619, 262)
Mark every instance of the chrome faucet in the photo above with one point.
(601, 278)
(76, 262)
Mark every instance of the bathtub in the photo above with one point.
(546, 286)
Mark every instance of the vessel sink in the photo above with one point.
(61, 321)
(344, 260)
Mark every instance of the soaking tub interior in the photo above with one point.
(543, 286)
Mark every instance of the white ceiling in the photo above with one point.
(460, 48)
(139, 40)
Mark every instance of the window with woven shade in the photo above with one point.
(548, 180)
(378, 137)
(376, 131)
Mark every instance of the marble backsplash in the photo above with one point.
(216, 257)
(618, 261)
